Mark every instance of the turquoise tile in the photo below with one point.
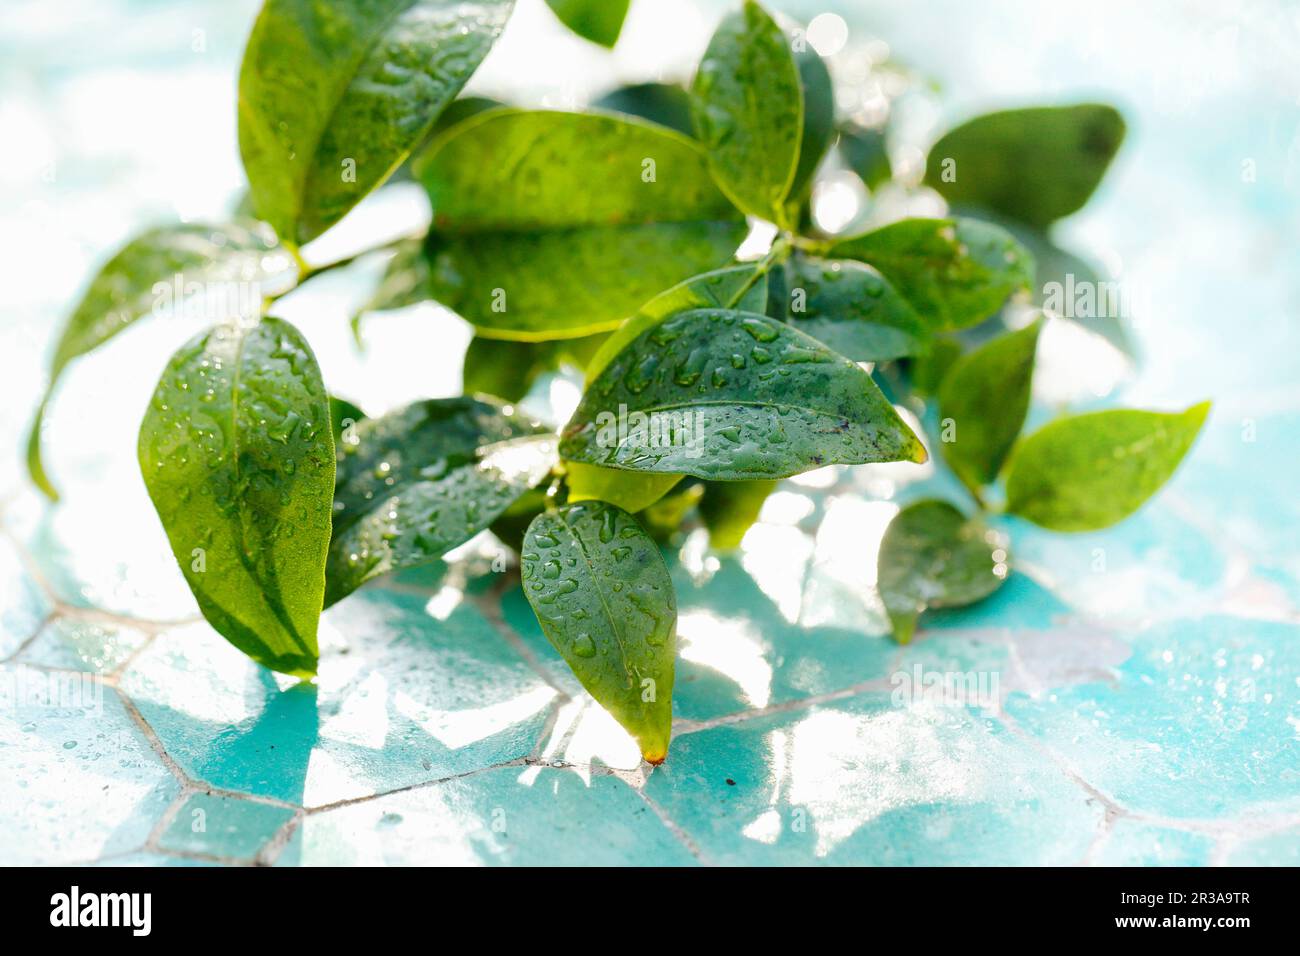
(23, 608)
(1153, 564)
(401, 698)
(223, 826)
(1199, 722)
(154, 859)
(78, 780)
(91, 646)
(864, 781)
(1131, 843)
(1021, 602)
(522, 816)
(1275, 849)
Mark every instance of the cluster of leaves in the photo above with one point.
(604, 239)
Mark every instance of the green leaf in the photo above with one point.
(1035, 165)
(728, 395)
(747, 106)
(599, 21)
(145, 276)
(527, 249)
(986, 395)
(818, 118)
(663, 520)
(419, 481)
(343, 414)
(508, 369)
(955, 273)
(742, 287)
(852, 309)
(729, 508)
(236, 453)
(333, 96)
(630, 490)
(865, 152)
(934, 556)
(664, 103)
(928, 370)
(1087, 472)
(601, 591)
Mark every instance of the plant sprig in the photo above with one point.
(606, 240)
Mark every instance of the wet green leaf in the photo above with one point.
(599, 21)
(1087, 472)
(631, 490)
(730, 508)
(528, 250)
(664, 103)
(934, 556)
(601, 591)
(983, 401)
(742, 287)
(851, 308)
(953, 272)
(236, 453)
(722, 394)
(157, 272)
(333, 96)
(1035, 165)
(865, 152)
(747, 106)
(419, 481)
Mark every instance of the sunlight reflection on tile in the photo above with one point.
(732, 647)
(777, 557)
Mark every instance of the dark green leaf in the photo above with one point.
(508, 369)
(747, 106)
(1087, 472)
(742, 287)
(630, 490)
(333, 96)
(664, 103)
(422, 480)
(729, 508)
(865, 152)
(599, 21)
(928, 370)
(156, 271)
(602, 593)
(849, 307)
(818, 118)
(1035, 165)
(528, 250)
(236, 452)
(728, 395)
(983, 401)
(343, 414)
(954, 273)
(933, 556)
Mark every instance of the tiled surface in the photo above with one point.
(1140, 702)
